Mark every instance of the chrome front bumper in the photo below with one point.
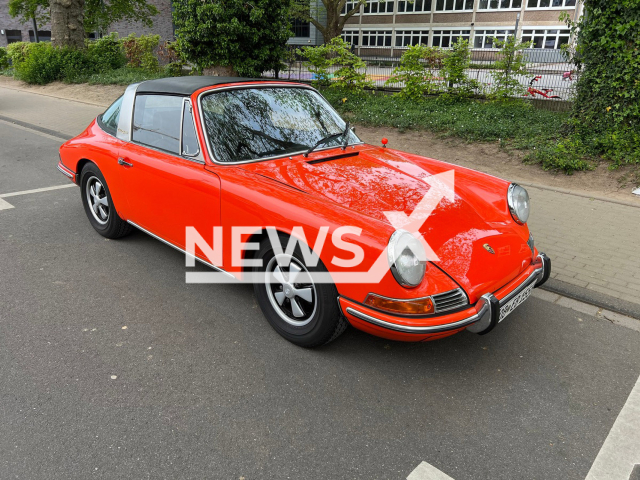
(487, 308)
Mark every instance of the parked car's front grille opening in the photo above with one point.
(334, 157)
(449, 300)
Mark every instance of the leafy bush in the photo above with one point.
(454, 69)
(416, 68)
(18, 52)
(140, 51)
(107, 52)
(509, 65)
(336, 53)
(170, 57)
(4, 58)
(317, 61)
(42, 63)
(347, 76)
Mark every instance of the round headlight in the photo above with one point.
(407, 258)
(518, 200)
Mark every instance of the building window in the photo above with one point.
(551, 39)
(351, 37)
(408, 6)
(406, 38)
(446, 38)
(550, 3)
(499, 4)
(376, 38)
(484, 38)
(300, 28)
(13, 36)
(374, 6)
(43, 36)
(453, 5)
(349, 5)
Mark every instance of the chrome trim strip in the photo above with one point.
(210, 265)
(186, 103)
(259, 84)
(531, 278)
(65, 173)
(406, 329)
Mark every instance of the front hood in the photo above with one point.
(371, 181)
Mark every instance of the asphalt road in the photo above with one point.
(198, 385)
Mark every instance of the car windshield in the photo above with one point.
(253, 123)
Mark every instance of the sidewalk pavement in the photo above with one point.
(594, 244)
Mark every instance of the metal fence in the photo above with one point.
(549, 82)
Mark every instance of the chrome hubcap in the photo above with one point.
(291, 290)
(97, 199)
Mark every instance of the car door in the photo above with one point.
(167, 186)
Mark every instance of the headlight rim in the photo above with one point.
(511, 203)
(393, 240)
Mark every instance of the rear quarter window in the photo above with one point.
(109, 119)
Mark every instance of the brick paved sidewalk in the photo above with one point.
(594, 244)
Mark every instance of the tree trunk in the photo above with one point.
(220, 71)
(67, 23)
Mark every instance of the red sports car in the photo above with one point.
(264, 182)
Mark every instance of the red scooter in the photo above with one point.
(543, 92)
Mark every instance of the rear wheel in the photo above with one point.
(302, 311)
(98, 204)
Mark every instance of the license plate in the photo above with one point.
(512, 304)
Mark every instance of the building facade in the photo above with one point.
(387, 28)
(13, 30)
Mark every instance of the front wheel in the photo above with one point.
(302, 311)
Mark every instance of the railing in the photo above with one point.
(554, 78)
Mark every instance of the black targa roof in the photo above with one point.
(187, 85)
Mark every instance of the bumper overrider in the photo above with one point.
(480, 318)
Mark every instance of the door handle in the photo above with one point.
(122, 162)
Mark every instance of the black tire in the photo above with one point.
(112, 226)
(325, 323)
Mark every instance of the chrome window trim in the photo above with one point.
(258, 85)
(198, 155)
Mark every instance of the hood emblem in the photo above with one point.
(488, 248)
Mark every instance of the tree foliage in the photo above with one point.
(98, 14)
(606, 113)
(246, 36)
(330, 10)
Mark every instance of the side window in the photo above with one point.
(109, 119)
(190, 145)
(156, 121)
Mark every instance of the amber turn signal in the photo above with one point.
(408, 306)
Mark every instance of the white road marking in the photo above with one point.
(425, 471)
(37, 190)
(4, 205)
(621, 449)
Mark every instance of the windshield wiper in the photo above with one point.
(328, 138)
